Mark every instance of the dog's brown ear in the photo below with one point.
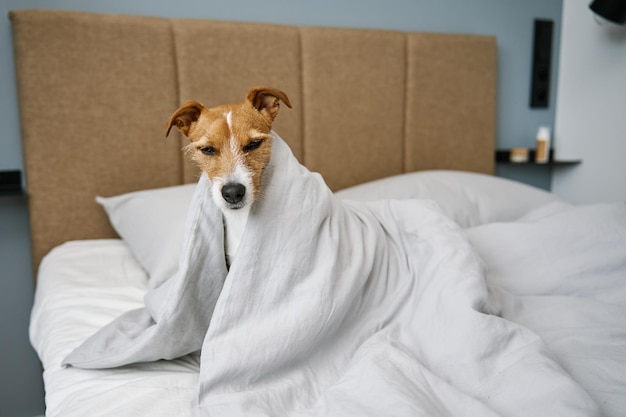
(184, 117)
(267, 100)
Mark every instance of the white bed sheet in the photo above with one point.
(82, 286)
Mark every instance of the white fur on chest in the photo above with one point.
(234, 226)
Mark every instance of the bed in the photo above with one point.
(503, 300)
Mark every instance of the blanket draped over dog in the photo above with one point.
(336, 308)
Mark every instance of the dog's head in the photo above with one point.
(231, 142)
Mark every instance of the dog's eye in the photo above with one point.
(208, 150)
(252, 145)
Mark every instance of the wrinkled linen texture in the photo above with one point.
(337, 308)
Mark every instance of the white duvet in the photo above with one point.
(561, 271)
(397, 322)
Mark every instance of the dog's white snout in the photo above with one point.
(233, 193)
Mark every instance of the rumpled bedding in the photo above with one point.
(561, 271)
(338, 308)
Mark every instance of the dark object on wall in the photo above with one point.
(542, 59)
(612, 10)
(10, 182)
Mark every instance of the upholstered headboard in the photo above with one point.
(96, 90)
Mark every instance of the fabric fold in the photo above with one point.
(177, 314)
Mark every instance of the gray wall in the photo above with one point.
(590, 122)
(511, 21)
(21, 390)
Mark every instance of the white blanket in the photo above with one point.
(337, 308)
(561, 271)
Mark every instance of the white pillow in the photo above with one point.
(152, 224)
(470, 199)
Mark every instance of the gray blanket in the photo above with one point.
(335, 308)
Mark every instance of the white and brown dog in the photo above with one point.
(232, 144)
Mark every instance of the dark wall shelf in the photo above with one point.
(503, 156)
(11, 183)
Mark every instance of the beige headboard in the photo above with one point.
(96, 90)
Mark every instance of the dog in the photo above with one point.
(232, 144)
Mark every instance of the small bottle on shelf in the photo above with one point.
(542, 153)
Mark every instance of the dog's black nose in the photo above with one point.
(233, 193)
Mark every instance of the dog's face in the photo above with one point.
(231, 143)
